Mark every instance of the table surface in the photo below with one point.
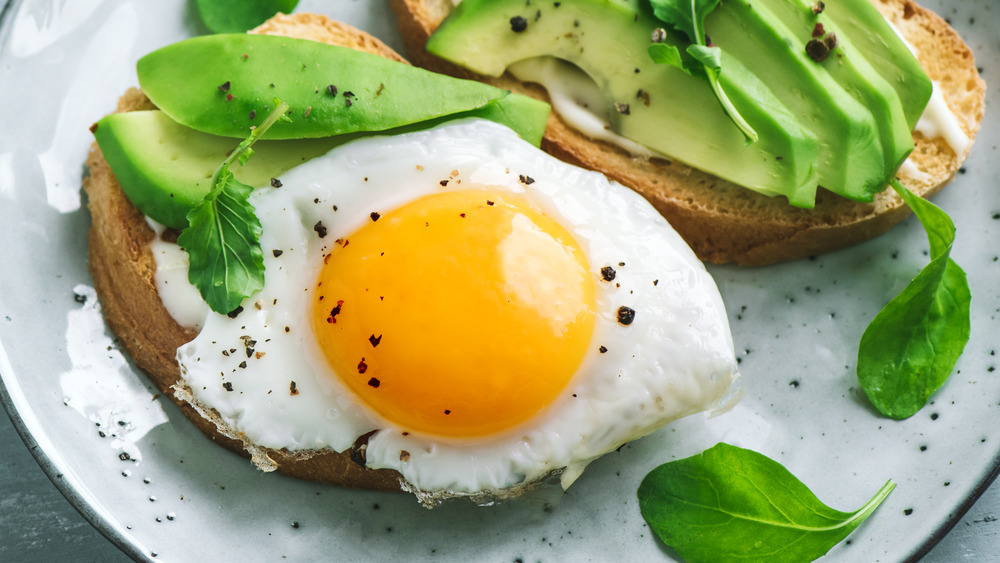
(38, 524)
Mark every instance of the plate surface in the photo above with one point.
(145, 476)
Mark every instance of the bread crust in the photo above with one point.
(122, 265)
(721, 221)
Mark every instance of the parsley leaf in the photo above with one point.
(910, 348)
(733, 504)
(238, 16)
(226, 263)
(688, 16)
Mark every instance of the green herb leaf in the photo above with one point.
(910, 348)
(688, 16)
(226, 263)
(238, 16)
(732, 504)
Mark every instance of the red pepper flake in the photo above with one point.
(320, 229)
(276, 183)
(332, 319)
(623, 108)
(626, 315)
(373, 382)
(380, 88)
(818, 7)
(374, 215)
(602, 349)
(608, 273)
(526, 180)
(245, 56)
(259, 355)
(518, 24)
(462, 215)
(292, 388)
(374, 340)
(818, 30)
(235, 312)
(230, 97)
(228, 386)
(224, 87)
(277, 252)
(362, 366)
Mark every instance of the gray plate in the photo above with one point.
(145, 477)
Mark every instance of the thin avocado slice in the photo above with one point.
(166, 169)
(879, 44)
(226, 84)
(608, 40)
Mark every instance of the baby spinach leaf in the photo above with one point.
(911, 347)
(238, 16)
(733, 504)
(688, 16)
(226, 263)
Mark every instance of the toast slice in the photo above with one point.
(123, 267)
(723, 222)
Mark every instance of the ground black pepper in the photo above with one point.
(518, 24)
(626, 315)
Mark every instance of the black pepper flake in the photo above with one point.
(235, 312)
(526, 180)
(447, 411)
(623, 108)
(403, 456)
(659, 35)
(374, 340)
(490, 203)
(830, 41)
(462, 215)
(817, 50)
(626, 315)
(276, 183)
(124, 456)
(332, 90)
(362, 366)
(908, 511)
(224, 87)
(374, 383)
(443, 182)
(818, 7)
(288, 329)
(603, 349)
(277, 252)
(644, 96)
(320, 229)
(253, 114)
(79, 298)
(243, 364)
(608, 273)
(228, 386)
(308, 111)
(332, 319)
(292, 388)
(518, 24)
(375, 215)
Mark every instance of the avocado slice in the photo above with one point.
(166, 169)
(878, 43)
(608, 40)
(854, 113)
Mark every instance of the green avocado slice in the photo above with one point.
(225, 84)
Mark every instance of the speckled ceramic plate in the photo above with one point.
(150, 482)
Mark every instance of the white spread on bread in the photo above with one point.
(180, 298)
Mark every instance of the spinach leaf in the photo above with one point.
(732, 504)
(226, 263)
(238, 16)
(688, 16)
(911, 347)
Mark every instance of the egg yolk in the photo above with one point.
(460, 314)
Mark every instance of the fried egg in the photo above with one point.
(484, 314)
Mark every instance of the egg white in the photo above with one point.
(675, 359)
